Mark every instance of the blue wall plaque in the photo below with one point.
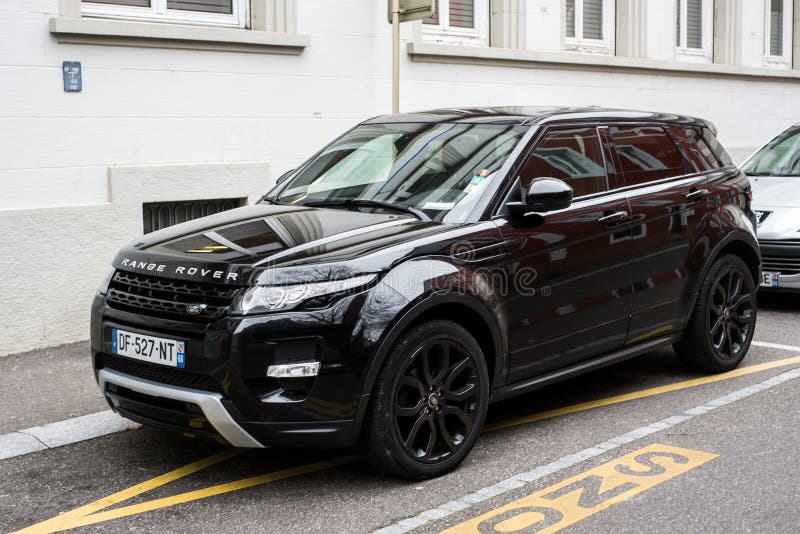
(73, 83)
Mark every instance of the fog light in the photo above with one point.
(293, 370)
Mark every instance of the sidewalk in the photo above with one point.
(48, 385)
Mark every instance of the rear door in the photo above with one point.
(570, 276)
(669, 199)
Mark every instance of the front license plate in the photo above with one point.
(152, 349)
(770, 279)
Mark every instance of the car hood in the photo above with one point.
(777, 200)
(264, 244)
(775, 191)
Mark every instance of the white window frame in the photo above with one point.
(785, 60)
(578, 44)
(158, 12)
(696, 55)
(444, 33)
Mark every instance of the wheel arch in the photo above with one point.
(456, 308)
(741, 244)
(745, 251)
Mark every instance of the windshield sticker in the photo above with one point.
(476, 181)
(438, 205)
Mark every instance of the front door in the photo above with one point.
(570, 275)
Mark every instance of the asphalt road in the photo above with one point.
(643, 446)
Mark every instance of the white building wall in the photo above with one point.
(544, 22)
(185, 123)
(752, 32)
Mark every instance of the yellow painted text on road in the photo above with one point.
(579, 497)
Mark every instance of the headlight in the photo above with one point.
(274, 298)
(103, 289)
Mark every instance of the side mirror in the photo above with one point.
(548, 194)
(544, 194)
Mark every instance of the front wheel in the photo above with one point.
(429, 402)
(721, 328)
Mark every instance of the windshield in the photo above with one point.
(780, 157)
(439, 169)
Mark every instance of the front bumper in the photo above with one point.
(223, 393)
(210, 404)
(790, 282)
(783, 257)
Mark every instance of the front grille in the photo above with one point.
(162, 297)
(781, 265)
(780, 242)
(159, 373)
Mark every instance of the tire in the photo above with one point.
(434, 384)
(721, 327)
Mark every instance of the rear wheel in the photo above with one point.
(429, 402)
(720, 330)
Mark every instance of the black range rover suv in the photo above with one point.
(424, 265)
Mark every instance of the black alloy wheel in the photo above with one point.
(429, 402)
(720, 329)
(436, 400)
(731, 314)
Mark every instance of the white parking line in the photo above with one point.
(776, 346)
(62, 433)
(521, 479)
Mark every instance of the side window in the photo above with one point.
(573, 155)
(716, 148)
(646, 154)
(699, 154)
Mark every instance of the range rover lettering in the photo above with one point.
(424, 265)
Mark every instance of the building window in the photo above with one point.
(778, 33)
(209, 12)
(589, 26)
(458, 21)
(693, 29)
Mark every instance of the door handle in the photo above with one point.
(613, 218)
(697, 195)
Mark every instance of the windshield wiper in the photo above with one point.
(267, 198)
(357, 203)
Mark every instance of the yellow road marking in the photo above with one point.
(52, 525)
(86, 515)
(575, 499)
(90, 514)
(650, 392)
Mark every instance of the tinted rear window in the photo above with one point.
(699, 155)
(716, 148)
(646, 154)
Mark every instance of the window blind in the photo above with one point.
(776, 28)
(134, 3)
(462, 13)
(694, 23)
(593, 19)
(570, 18)
(678, 23)
(433, 19)
(203, 6)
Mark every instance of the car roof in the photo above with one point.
(528, 115)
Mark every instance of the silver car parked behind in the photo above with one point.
(774, 172)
